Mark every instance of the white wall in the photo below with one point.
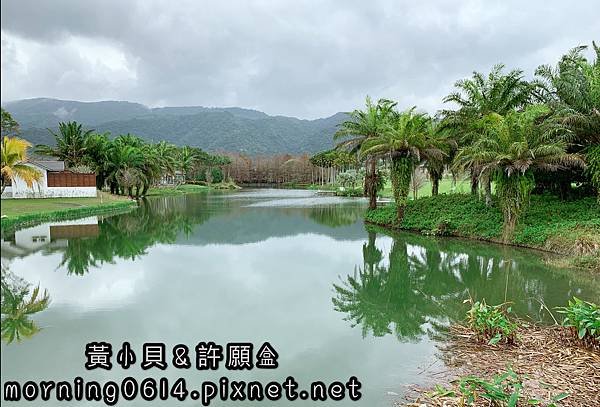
(73, 192)
(37, 236)
(34, 237)
(40, 189)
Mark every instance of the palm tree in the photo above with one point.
(8, 125)
(96, 153)
(362, 126)
(405, 141)
(186, 160)
(70, 144)
(572, 90)
(122, 160)
(479, 96)
(166, 155)
(14, 156)
(509, 150)
(436, 164)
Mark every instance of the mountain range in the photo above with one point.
(214, 129)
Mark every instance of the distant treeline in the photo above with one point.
(279, 169)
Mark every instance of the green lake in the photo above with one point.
(300, 271)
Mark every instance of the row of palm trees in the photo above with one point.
(127, 164)
(503, 129)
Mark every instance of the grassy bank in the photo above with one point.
(189, 189)
(22, 212)
(178, 190)
(447, 186)
(571, 228)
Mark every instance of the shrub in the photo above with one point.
(217, 175)
(492, 322)
(504, 388)
(583, 318)
(349, 192)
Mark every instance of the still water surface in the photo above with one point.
(288, 267)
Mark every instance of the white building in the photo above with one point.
(55, 182)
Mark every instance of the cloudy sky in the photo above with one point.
(300, 58)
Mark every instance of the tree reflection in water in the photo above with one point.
(128, 236)
(17, 305)
(384, 299)
(422, 287)
(336, 215)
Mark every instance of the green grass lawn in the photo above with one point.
(446, 187)
(19, 207)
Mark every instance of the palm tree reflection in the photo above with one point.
(384, 299)
(128, 236)
(18, 303)
(422, 287)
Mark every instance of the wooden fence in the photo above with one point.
(70, 179)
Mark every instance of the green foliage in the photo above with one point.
(584, 318)
(8, 125)
(492, 322)
(348, 178)
(217, 175)
(593, 166)
(457, 214)
(70, 144)
(400, 174)
(363, 127)
(508, 149)
(349, 192)
(550, 223)
(19, 302)
(405, 140)
(513, 194)
(503, 389)
(572, 89)
(128, 164)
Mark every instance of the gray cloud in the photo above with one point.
(300, 58)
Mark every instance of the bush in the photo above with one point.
(217, 175)
(583, 318)
(492, 322)
(349, 192)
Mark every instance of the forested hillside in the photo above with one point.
(212, 129)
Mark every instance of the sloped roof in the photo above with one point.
(49, 165)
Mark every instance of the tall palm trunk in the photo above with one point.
(371, 183)
(401, 171)
(487, 183)
(474, 182)
(435, 185)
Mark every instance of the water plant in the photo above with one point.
(583, 318)
(491, 322)
(504, 389)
